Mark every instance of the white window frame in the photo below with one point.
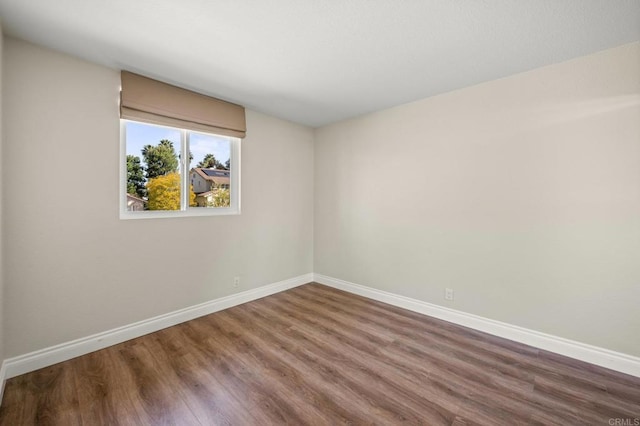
(185, 211)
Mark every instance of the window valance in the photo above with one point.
(152, 101)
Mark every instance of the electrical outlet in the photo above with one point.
(236, 281)
(448, 294)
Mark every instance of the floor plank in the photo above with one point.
(319, 356)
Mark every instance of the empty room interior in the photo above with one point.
(320, 212)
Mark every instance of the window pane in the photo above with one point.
(210, 170)
(153, 172)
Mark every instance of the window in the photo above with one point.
(180, 151)
(173, 172)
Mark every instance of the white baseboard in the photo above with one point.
(603, 357)
(43, 358)
(3, 370)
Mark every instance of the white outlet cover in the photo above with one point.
(448, 293)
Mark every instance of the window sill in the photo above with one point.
(193, 212)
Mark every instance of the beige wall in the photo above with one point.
(72, 268)
(521, 194)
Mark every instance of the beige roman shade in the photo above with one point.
(151, 101)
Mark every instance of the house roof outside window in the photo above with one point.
(217, 176)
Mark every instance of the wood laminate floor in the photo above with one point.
(316, 355)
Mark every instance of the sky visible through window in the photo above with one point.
(139, 135)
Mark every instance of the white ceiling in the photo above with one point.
(319, 61)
